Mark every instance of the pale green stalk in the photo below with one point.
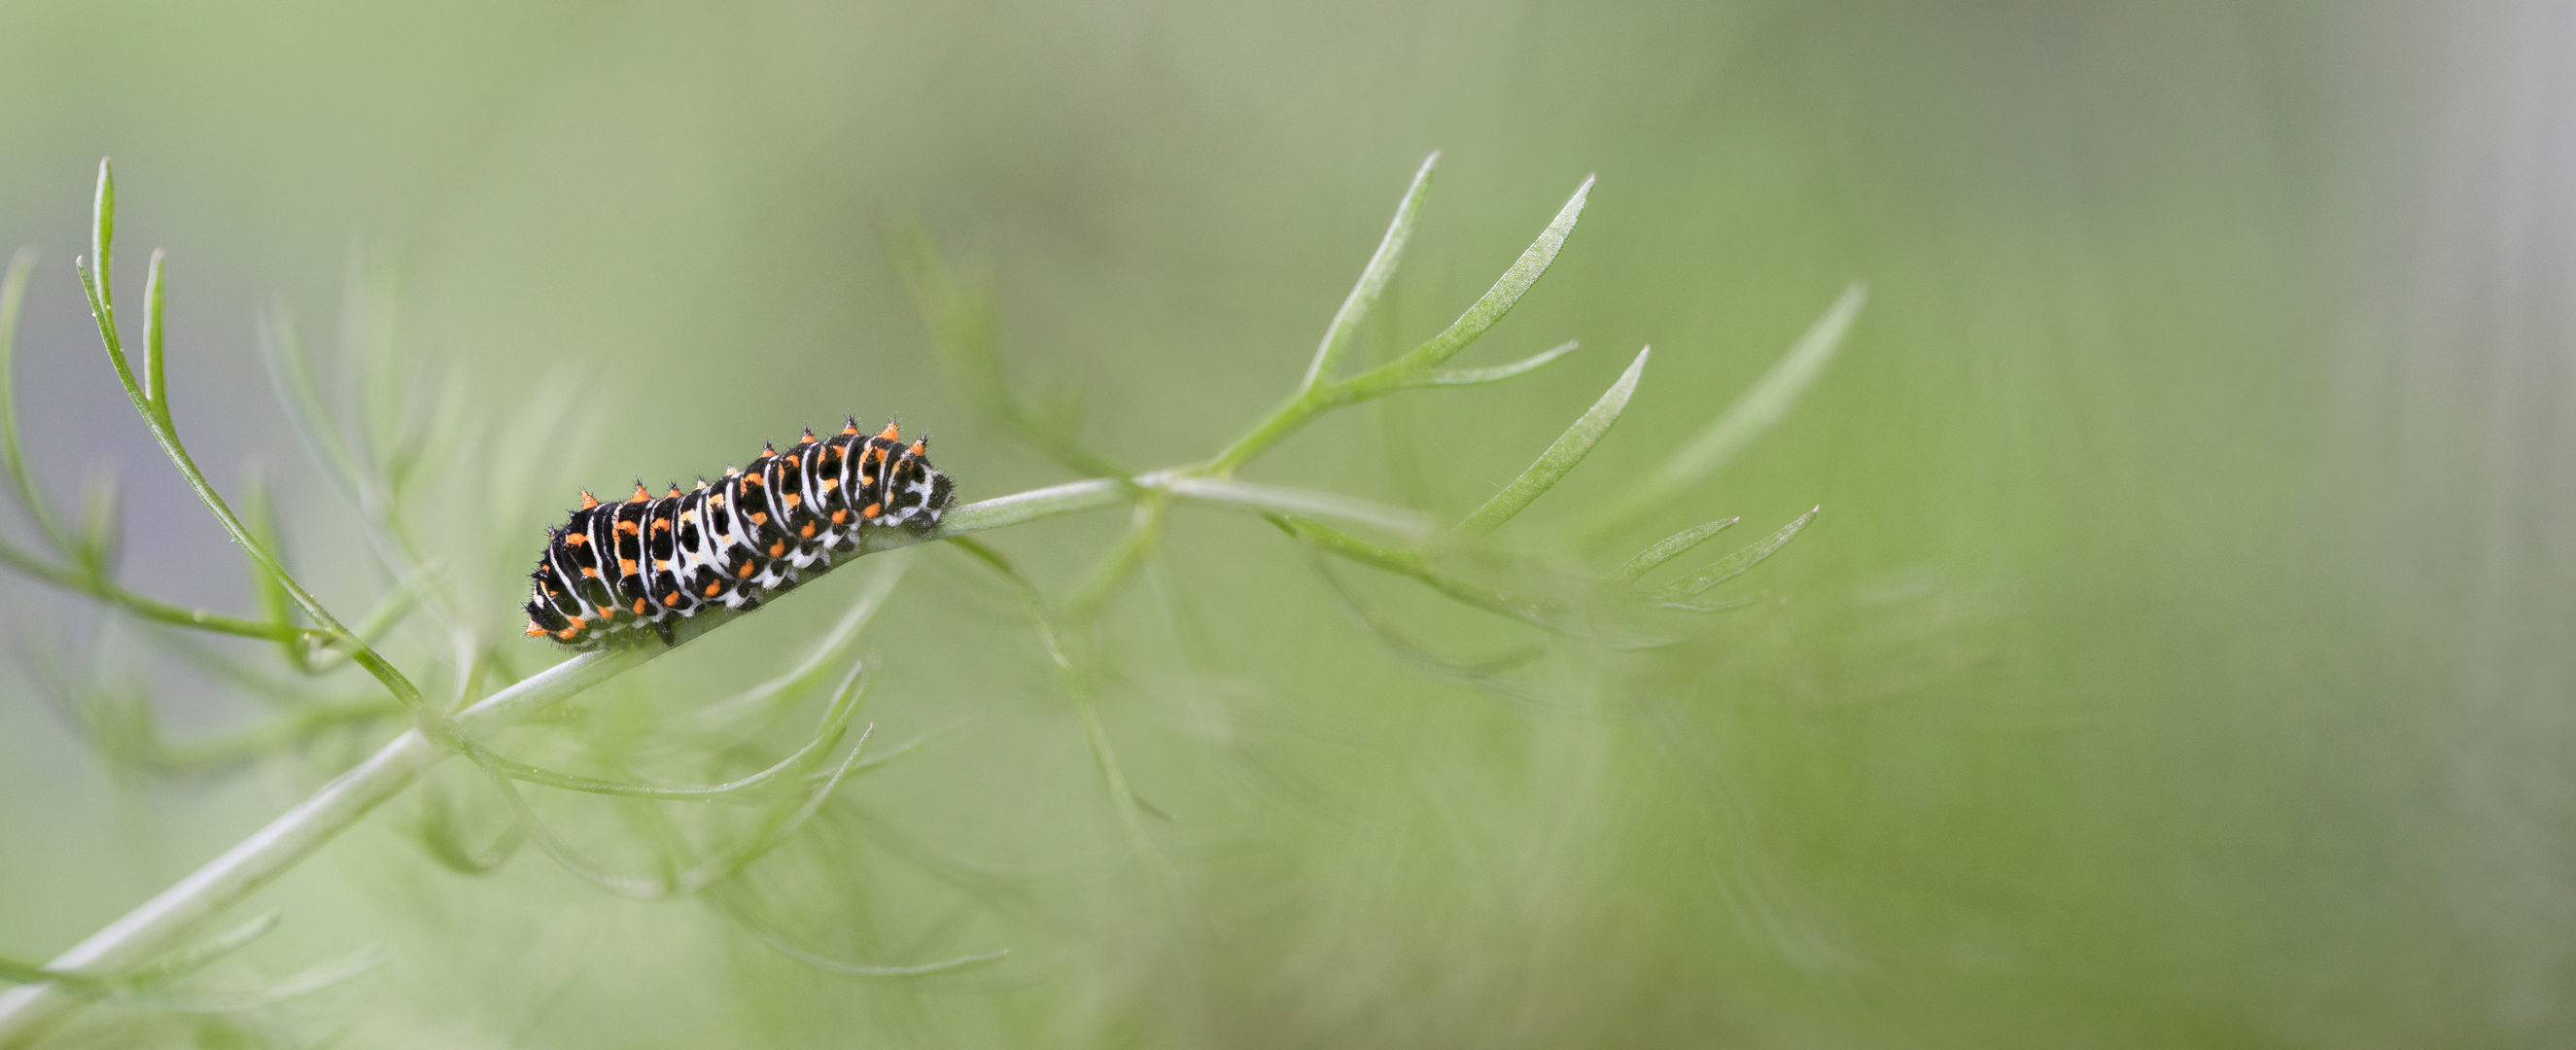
(1761, 407)
(162, 924)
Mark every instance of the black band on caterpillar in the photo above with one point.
(624, 567)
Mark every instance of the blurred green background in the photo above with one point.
(2172, 664)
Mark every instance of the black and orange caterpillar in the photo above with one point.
(617, 567)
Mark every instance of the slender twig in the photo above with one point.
(13, 294)
(373, 465)
(1103, 754)
(154, 407)
(160, 923)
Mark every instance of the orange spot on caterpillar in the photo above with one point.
(586, 501)
(794, 500)
(661, 524)
(890, 433)
(778, 548)
(712, 588)
(853, 428)
(639, 606)
(751, 479)
(661, 565)
(640, 495)
(535, 631)
(920, 445)
(840, 517)
(831, 483)
(575, 539)
(592, 573)
(568, 633)
(758, 517)
(626, 528)
(807, 531)
(873, 510)
(672, 598)
(626, 565)
(746, 571)
(809, 437)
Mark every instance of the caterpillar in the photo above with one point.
(615, 568)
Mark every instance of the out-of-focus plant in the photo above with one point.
(375, 445)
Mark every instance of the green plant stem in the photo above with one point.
(160, 924)
(89, 583)
(13, 294)
(1319, 392)
(154, 406)
(156, 418)
(1095, 733)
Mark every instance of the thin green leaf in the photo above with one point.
(1728, 605)
(292, 375)
(445, 843)
(1381, 266)
(13, 293)
(1560, 458)
(1104, 755)
(1485, 674)
(155, 389)
(1762, 406)
(1317, 396)
(196, 958)
(408, 591)
(742, 916)
(779, 943)
(963, 319)
(1411, 564)
(1668, 548)
(783, 819)
(260, 516)
(1734, 565)
(19, 971)
(101, 521)
(1497, 373)
(120, 992)
(836, 719)
(834, 646)
(163, 433)
(303, 984)
(1278, 500)
(1499, 299)
(102, 238)
(1144, 535)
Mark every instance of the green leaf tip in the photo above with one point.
(102, 229)
(1736, 564)
(155, 389)
(1760, 407)
(1668, 548)
(1381, 267)
(1498, 373)
(1507, 290)
(1561, 457)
